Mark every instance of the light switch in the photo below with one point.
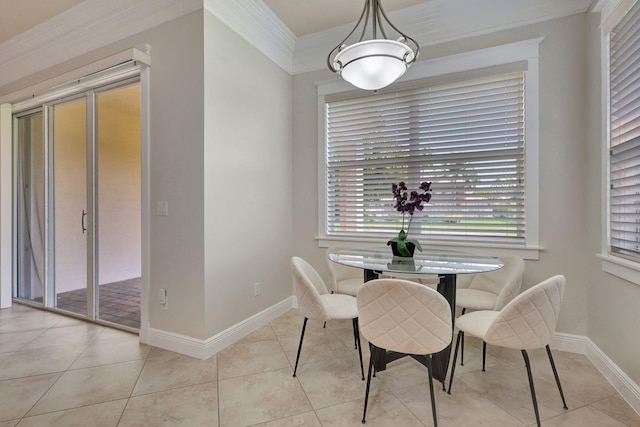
(163, 209)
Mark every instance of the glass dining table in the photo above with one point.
(446, 265)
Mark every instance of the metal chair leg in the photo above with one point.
(484, 354)
(366, 393)
(433, 398)
(555, 374)
(356, 331)
(304, 325)
(455, 357)
(533, 390)
(462, 344)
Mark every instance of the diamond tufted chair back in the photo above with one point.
(529, 320)
(404, 316)
(309, 286)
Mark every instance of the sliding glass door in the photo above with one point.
(70, 211)
(118, 205)
(79, 240)
(30, 198)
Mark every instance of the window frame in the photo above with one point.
(527, 50)
(612, 13)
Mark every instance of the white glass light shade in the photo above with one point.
(373, 64)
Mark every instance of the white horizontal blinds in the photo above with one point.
(467, 138)
(625, 135)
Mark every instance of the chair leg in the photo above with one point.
(356, 331)
(433, 398)
(484, 354)
(462, 344)
(555, 374)
(366, 393)
(533, 390)
(455, 357)
(304, 325)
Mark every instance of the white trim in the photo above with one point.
(6, 206)
(37, 93)
(258, 25)
(526, 50)
(612, 12)
(605, 138)
(145, 202)
(203, 349)
(621, 267)
(495, 250)
(625, 386)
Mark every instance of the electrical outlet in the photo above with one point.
(257, 289)
(163, 299)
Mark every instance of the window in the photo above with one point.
(466, 136)
(624, 138)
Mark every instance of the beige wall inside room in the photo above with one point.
(595, 304)
(247, 154)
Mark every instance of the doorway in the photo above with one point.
(79, 207)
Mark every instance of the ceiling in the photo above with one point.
(310, 16)
(17, 16)
(301, 16)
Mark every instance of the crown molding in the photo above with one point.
(259, 26)
(83, 28)
(439, 21)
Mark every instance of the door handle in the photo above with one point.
(82, 221)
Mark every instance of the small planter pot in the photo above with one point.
(394, 248)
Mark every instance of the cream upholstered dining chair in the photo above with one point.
(491, 291)
(405, 317)
(526, 323)
(343, 279)
(315, 302)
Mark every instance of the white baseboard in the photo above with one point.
(203, 349)
(624, 385)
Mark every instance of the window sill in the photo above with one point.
(620, 267)
(527, 253)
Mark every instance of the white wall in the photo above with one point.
(247, 176)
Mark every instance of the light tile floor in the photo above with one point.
(58, 371)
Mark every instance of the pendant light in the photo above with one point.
(378, 62)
